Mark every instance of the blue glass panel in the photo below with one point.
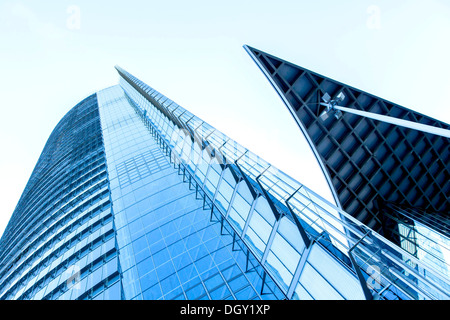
(196, 292)
(317, 286)
(148, 280)
(220, 293)
(246, 294)
(169, 283)
(152, 293)
(165, 270)
(335, 273)
(145, 266)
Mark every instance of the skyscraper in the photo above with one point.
(134, 197)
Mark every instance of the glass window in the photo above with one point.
(187, 273)
(247, 293)
(336, 273)
(289, 231)
(169, 283)
(196, 292)
(317, 286)
(240, 207)
(165, 270)
(238, 283)
(259, 228)
(140, 244)
(176, 248)
(113, 292)
(301, 293)
(110, 267)
(213, 177)
(225, 192)
(285, 253)
(236, 220)
(161, 257)
(254, 242)
(145, 266)
(152, 293)
(281, 273)
(214, 282)
(220, 293)
(204, 264)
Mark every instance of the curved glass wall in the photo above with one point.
(171, 246)
(134, 197)
(311, 249)
(59, 243)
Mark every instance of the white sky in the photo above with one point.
(54, 55)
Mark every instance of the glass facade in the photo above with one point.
(134, 197)
(170, 244)
(60, 242)
(417, 234)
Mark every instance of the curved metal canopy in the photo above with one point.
(367, 163)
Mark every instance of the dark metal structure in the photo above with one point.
(367, 163)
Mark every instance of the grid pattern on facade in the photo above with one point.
(303, 224)
(139, 167)
(365, 161)
(120, 207)
(170, 246)
(60, 241)
(233, 191)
